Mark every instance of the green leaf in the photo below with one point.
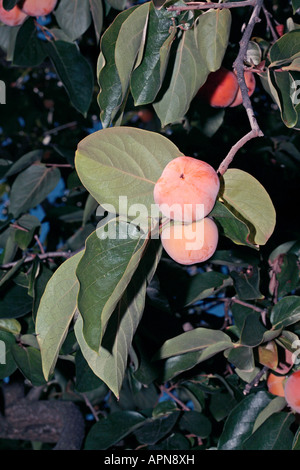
(128, 44)
(231, 225)
(29, 50)
(241, 357)
(56, 310)
(286, 312)
(284, 82)
(286, 48)
(247, 283)
(154, 429)
(123, 164)
(296, 5)
(203, 285)
(253, 330)
(195, 423)
(109, 431)
(239, 424)
(276, 405)
(211, 341)
(272, 434)
(10, 325)
(147, 78)
(86, 380)
(74, 71)
(29, 362)
(15, 302)
(74, 17)
(245, 195)
(111, 256)
(213, 35)
(7, 362)
(110, 96)
(29, 224)
(26, 160)
(31, 187)
(97, 15)
(110, 362)
(188, 74)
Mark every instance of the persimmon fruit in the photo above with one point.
(251, 83)
(275, 384)
(292, 391)
(13, 17)
(187, 189)
(190, 243)
(220, 88)
(38, 7)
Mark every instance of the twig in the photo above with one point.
(209, 5)
(177, 400)
(245, 304)
(29, 259)
(60, 128)
(39, 244)
(255, 381)
(238, 66)
(269, 23)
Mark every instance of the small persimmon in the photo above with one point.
(275, 384)
(251, 83)
(187, 189)
(38, 7)
(220, 88)
(292, 391)
(13, 17)
(190, 243)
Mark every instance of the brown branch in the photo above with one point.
(29, 259)
(209, 5)
(238, 66)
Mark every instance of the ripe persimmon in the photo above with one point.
(292, 391)
(275, 384)
(13, 17)
(220, 88)
(187, 189)
(38, 7)
(190, 243)
(251, 83)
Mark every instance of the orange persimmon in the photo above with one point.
(190, 243)
(38, 7)
(187, 189)
(13, 17)
(292, 391)
(275, 384)
(220, 88)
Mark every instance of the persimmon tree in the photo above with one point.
(127, 347)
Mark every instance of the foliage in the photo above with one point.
(166, 357)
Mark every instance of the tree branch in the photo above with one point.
(238, 66)
(209, 5)
(29, 259)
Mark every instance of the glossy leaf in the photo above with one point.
(29, 50)
(239, 424)
(109, 431)
(189, 73)
(129, 161)
(104, 272)
(56, 310)
(244, 194)
(195, 340)
(74, 71)
(286, 312)
(110, 96)
(272, 434)
(212, 36)
(74, 18)
(29, 362)
(31, 187)
(96, 8)
(147, 78)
